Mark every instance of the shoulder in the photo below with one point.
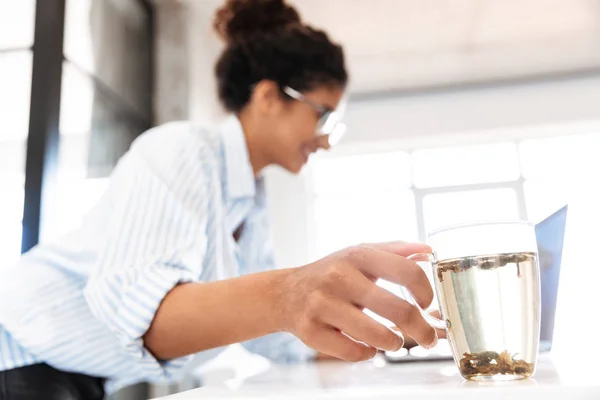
(173, 153)
(180, 145)
(173, 137)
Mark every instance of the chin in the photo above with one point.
(296, 170)
(293, 168)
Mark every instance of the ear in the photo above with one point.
(267, 97)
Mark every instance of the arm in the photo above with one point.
(316, 303)
(257, 247)
(258, 256)
(154, 238)
(233, 311)
(154, 250)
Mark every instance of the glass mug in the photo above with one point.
(487, 283)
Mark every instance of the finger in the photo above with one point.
(440, 332)
(325, 357)
(334, 343)
(391, 307)
(410, 342)
(401, 248)
(406, 316)
(360, 326)
(381, 264)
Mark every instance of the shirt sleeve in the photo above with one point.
(258, 255)
(154, 239)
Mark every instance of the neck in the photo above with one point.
(252, 131)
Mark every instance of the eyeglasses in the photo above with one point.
(329, 124)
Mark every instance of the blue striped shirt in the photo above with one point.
(83, 302)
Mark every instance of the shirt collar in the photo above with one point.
(241, 181)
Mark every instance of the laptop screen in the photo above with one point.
(550, 235)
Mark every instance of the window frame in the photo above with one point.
(412, 144)
(42, 142)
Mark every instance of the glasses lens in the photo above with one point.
(328, 122)
(336, 133)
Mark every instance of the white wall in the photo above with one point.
(543, 108)
(288, 200)
(477, 109)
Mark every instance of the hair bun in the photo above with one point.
(238, 19)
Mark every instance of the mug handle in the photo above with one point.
(431, 320)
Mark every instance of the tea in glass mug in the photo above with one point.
(487, 282)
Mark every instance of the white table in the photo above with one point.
(558, 376)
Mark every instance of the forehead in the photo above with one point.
(328, 96)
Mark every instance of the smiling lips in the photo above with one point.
(306, 152)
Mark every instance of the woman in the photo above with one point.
(168, 263)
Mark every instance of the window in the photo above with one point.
(403, 195)
(555, 168)
(365, 217)
(465, 165)
(368, 195)
(451, 208)
(16, 24)
(105, 103)
(15, 84)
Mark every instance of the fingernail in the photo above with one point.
(400, 335)
(401, 345)
(370, 357)
(434, 343)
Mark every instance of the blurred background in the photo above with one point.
(459, 110)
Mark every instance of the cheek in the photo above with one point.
(287, 142)
(294, 130)
(297, 132)
(306, 128)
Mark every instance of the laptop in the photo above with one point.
(550, 234)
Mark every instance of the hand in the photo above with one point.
(409, 342)
(323, 302)
(325, 357)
